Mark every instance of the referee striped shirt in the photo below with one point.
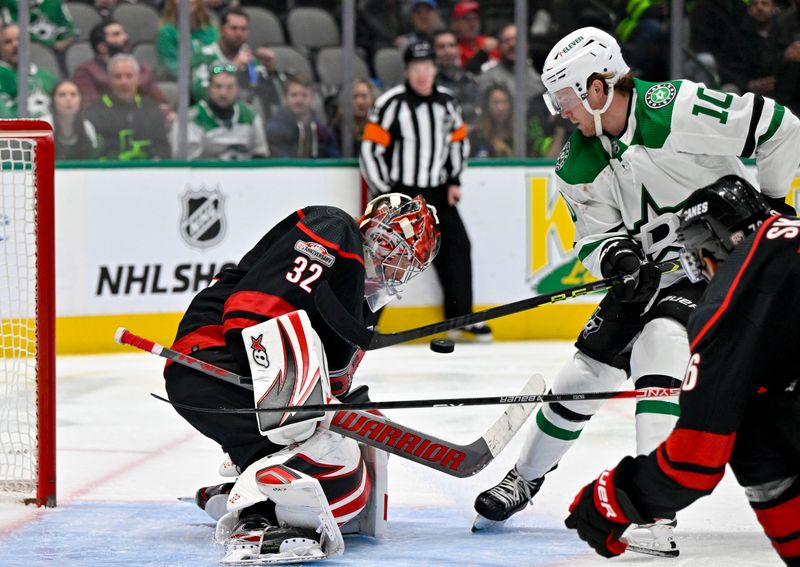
(412, 142)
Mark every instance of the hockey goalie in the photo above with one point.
(299, 487)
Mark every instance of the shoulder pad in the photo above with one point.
(581, 159)
(654, 106)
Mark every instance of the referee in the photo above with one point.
(415, 142)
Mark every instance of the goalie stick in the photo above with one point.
(354, 332)
(444, 456)
(379, 431)
(124, 337)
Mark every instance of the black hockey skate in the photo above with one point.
(499, 503)
(213, 499)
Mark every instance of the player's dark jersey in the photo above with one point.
(277, 276)
(744, 339)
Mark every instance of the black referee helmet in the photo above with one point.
(420, 50)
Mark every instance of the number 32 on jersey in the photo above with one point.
(304, 273)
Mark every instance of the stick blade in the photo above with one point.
(504, 429)
(491, 443)
(483, 450)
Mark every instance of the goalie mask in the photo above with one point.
(571, 62)
(401, 239)
(716, 219)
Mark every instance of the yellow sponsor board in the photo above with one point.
(552, 264)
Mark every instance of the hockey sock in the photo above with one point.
(550, 438)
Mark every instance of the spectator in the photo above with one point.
(425, 22)
(107, 39)
(296, 131)
(644, 35)
(130, 126)
(494, 136)
(40, 81)
(752, 58)
(75, 137)
(364, 94)
(452, 76)
(546, 134)
(787, 87)
(475, 49)
(50, 22)
(221, 126)
(105, 8)
(261, 85)
(711, 20)
(219, 6)
(203, 33)
(378, 24)
(502, 70)
(415, 142)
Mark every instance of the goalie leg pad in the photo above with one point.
(289, 368)
(318, 485)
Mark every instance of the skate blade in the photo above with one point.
(653, 551)
(286, 558)
(483, 524)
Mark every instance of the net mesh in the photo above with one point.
(18, 404)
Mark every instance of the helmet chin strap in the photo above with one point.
(597, 112)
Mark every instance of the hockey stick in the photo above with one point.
(355, 333)
(376, 430)
(123, 336)
(387, 435)
(645, 393)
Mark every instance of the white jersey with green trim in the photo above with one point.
(679, 136)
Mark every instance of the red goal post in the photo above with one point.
(27, 312)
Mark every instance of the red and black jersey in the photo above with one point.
(744, 337)
(277, 276)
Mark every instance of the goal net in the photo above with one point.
(27, 312)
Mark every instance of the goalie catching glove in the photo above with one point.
(602, 511)
(640, 277)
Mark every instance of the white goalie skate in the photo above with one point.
(254, 541)
(653, 539)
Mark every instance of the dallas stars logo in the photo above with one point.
(656, 227)
(660, 95)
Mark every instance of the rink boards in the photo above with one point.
(134, 244)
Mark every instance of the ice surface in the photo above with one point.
(124, 458)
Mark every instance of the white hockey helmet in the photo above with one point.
(572, 61)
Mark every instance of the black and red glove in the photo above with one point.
(640, 277)
(602, 511)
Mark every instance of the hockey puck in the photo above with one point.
(443, 345)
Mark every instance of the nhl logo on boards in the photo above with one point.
(660, 95)
(202, 220)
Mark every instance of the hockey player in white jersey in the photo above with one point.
(639, 151)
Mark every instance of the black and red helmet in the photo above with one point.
(715, 219)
